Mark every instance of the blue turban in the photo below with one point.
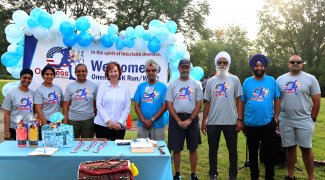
(258, 58)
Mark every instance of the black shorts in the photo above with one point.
(177, 135)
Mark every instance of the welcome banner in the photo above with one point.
(38, 54)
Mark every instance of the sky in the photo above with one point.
(237, 12)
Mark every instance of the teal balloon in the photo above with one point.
(139, 31)
(82, 24)
(9, 59)
(113, 37)
(45, 19)
(155, 23)
(36, 12)
(112, 29)
(171, 26)
(162, 34)
(66, 28)
(129, 32)
(119, 45)
(128, 42)
(84, 39)
(154, 45)
(32, 22)
(197, 73)
(106, 41)
(19, 50)
(147, 35)
(70, 40)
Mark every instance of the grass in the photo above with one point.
(223, 163)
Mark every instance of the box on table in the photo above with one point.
(61, 136)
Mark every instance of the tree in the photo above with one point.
(294, 27)
(188, 14)
(5, 15)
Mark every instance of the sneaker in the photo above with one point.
(215, 177)
(176, 177)
(194, 177)
(289, 178)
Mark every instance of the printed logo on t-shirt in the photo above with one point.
(150, 95)
(81, 94)
(292, 86)
(221, 90)
(53, 98)
(259, 94)
(26, 104)
(185, 93)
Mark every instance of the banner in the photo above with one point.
(38, 54)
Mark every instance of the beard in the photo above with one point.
(222, 71)
(259, 73)
(185, 75)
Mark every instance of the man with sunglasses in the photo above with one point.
(261, 105)
(150, 104)
(222, 114)
(300, 103)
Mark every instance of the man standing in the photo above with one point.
(184, 96)
(300, 103)
(222, 107)
(261, 104)
(150, 104)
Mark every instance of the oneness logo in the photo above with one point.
(221, 89)
(291, 87)
(81, 94)
(151, 96)
(26, 104)
(260, 93)
(185, 93)
(53, 98)
(69, 57)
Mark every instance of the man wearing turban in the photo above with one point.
(222, 114)
(261, 105)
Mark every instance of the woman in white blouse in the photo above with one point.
(113, 105)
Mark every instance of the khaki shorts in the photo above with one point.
(83, 129)
(297, 132)
(154, 134)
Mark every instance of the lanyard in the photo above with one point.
(80, 145)
(100, 146)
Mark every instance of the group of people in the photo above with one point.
(258, 107)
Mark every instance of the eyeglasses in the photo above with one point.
(222, 62)
(295, 62)
(151, 70)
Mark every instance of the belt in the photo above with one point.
(184, 114)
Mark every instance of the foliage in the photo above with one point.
(294, 27)
(4, 19)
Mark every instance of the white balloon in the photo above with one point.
(140, 44)
(9, 86)
(179, 38)
(95, 28)
(40, 33)
(72, 21)
(153, 31)
(12, 48)
(20, 18)
(171, 39)
(28, 31)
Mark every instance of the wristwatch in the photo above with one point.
(314, 119)
(152, 119)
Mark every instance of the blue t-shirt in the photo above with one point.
(258, 96)
(151, 99)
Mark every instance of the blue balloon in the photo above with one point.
(20, 50)
(66, 28)
(70, 40)
(162, 34)
(45, 19)
(155, 23)
(119, 45)
(106, 41)
(112, 29)
(128, 42)
(197, 73)
(147, 36)
(154, 45)
(9, 59)
(139, 31)
(84, 39)
(82, 24)
(171, 26)
(129, 32)
(32, 22)
(36, 12)
(113, 37)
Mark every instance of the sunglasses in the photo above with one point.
(295, 62)
(222, 62)
(151, 70)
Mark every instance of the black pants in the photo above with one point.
(12, 133)
(110, 134)
(266, 136)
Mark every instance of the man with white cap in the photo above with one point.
(184, 96)
(300, 104)
(222, 113)
(261, 105)
(150, 104)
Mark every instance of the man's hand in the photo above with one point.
(204, 128)
(239, 126)
(7, 135)
(147, 123)
(186, 123)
